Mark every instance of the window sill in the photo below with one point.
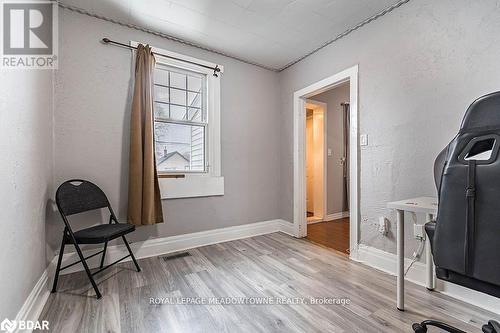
(191, 187)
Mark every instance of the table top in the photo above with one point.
(428, 205)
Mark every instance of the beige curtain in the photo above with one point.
(144, 203)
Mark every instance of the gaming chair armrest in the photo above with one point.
(430, 229)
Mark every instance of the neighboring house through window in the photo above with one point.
(173, 161)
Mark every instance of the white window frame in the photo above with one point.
(210, 182)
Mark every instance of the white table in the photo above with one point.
(425, 205)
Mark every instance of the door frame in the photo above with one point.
(323, 108)
(299, 200)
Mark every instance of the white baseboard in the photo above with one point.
(160, 246)
(329, 217)
(286, 227)
(336, 216)
(387, 262)
(314, 220)
(33, 306)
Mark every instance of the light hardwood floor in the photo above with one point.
(274, 265)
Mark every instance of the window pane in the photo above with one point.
(178, 96)
(183, 91)
(194, 114)
(194, 83)
(177, 80)
(194, 99)
(161, 94)
(179, 147)
(161, 77)
(177, 112)
(161, 110)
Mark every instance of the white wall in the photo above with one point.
(92, 114)
(419, 68)
(335, 140)
(26, 176)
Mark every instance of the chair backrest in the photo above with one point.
(466, 242)
(78, 196)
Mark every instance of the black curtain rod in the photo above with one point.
(216, 69)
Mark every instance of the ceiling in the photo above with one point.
(272, 33)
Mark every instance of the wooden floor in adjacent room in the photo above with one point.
(274, 265)
(333, 234)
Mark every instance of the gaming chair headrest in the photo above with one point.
(484, 112)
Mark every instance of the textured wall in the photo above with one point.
(92, 130)
(335, 128)
(26, 176)
(419, 68)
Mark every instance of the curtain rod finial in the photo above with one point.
(216, 71)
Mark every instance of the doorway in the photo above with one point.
(316, 195)
(332, 230)
(349, 77)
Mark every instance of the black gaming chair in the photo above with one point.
(465, 236)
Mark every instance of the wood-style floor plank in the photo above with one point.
(333, 234)
(274, 265)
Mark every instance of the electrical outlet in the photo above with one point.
(419, 231)
(382, 225)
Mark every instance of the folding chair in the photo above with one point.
(77, 196)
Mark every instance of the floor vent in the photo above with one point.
(176, 256)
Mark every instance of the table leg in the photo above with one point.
(429, 263)
(401, 260)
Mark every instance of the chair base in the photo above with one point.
(83, 260)
(491, 327)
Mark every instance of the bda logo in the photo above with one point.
(8, 325)
(30, 325)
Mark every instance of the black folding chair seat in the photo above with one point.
(77, 196)
(102, 233)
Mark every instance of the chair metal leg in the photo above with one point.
(87, 270)
(59, 261)
(131, 254)
(103, 254)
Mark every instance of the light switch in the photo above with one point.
(363, 140)
(330, 152)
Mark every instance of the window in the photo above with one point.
(187, 126)
(181, 123)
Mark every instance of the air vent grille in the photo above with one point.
(175, 256)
